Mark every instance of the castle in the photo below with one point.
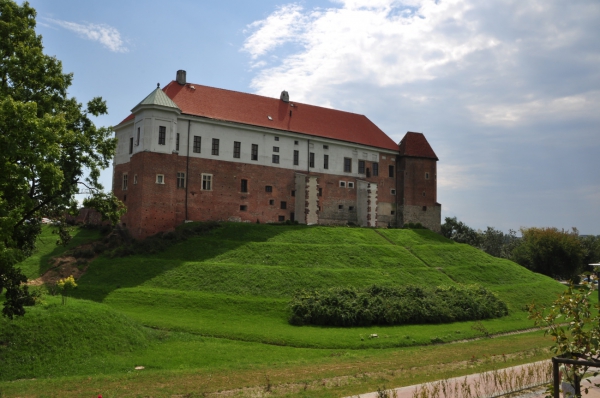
(191, 152)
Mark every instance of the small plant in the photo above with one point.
(65, 285)
(382, 392)
(479, 327)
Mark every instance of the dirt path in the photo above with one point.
(63, 267)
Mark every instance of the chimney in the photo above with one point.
(285, 97)
(181, 77)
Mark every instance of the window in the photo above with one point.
(124, 198)
(350, 184)
(237, 149)
(368, 172)
(351, 208)
(375, 169)
(243, 207)
(275, 158)
(276, 138)
(340, 207)
(197, 144)
(272, 202)
(320, 192)
(180, 180)
(343, 184)
(162, 134)
(160, 179)
(423, 193)
(124, 182)
(347, 165)
(130, 145)
(254, 155)
(296, 157)
(134, 179)
(391, 170)
(393, 191)
(393, 212)
(215, 146)
(424, 208)
(325, 146)
(244, 187)
(293, 192)
(207, 182)
(427, 176)
(177, 142)
(295, 142)
(281, 218)
(283, 205)
(311, 159)
(137, 142)
(326, 162)
(268, 188)
(275, 149)
(361, 167)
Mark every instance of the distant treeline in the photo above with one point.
(554, 252)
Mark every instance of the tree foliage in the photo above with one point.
(574, 324)
(550, 251)
(47, 141)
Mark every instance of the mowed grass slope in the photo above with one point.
(236, 282)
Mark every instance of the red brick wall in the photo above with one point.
(159, 207)
(412, 182)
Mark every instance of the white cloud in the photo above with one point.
(507, 92)
(106, 35)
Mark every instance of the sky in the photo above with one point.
(507, 92)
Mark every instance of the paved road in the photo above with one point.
(477, 382)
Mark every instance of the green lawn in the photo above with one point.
(219, 302)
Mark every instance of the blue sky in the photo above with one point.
(507, 92)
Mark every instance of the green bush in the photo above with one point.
(378, 305)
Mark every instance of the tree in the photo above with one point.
(550, 251)
(47, 141)
(574, 326)
(460, 232)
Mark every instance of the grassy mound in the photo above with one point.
(235, 282)
(54, 339)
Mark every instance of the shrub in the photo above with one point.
(379, 305)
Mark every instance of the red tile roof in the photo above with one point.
(254, 110)
(416, 145)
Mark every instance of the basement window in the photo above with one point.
(160, 179)
(281, 218)
(350, 184)
(343, 184)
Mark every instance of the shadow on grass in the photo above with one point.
(105, 274)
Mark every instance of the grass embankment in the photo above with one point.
(217, 299)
